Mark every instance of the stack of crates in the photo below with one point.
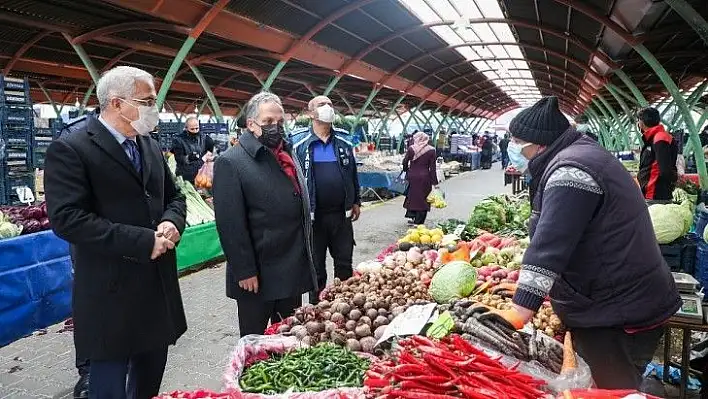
(219, 132)
(16, 133)
(166, 130)
(42, 139)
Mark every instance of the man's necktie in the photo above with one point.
(133, 154)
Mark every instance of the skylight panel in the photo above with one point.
(505, 74)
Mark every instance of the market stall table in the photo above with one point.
(370, 181)
(685, 367)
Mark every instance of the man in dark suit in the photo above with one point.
(263, 220)
(111, 196)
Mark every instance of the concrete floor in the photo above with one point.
(42, 365)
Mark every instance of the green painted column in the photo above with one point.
(683, 108)
(210, 94)
(616, 136)
(393, 109)
(201, 107)
(627, 111)
(85, 59)
(632, 87)
(174, 68)
(609, 141)
(49, 98)
(273, 74)
(693, 17)
(332, 83)
(623, 129)
(368, 101)
(624, 94)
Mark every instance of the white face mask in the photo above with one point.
(325, 113)
(148, 118)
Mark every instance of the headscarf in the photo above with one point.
(420, 145)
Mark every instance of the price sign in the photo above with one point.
(459, 229)
(25, 195)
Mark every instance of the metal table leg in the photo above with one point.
(667, 354)
(685, 362)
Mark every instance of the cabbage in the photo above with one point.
(668, 221)
(454, 280)
(9, 230)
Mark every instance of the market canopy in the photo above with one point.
(464, 57)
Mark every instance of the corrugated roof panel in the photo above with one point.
(337, 39)
(277, 14)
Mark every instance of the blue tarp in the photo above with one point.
(377, 179)
(35, 284)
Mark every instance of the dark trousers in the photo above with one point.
(254, 313)
(417, 217)
(617, 359)
(334, 232)
(504, 160)
(143, 373)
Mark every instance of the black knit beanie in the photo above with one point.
(542, 123)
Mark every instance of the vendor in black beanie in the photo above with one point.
(592, 250)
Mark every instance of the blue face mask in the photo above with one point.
(516, 158)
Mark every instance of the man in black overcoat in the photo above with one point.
(110, 194)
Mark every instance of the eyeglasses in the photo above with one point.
(150, 102)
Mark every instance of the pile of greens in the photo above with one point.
(502, 214)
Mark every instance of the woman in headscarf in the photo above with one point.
(419, 165)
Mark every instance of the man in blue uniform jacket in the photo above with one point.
(326, 155)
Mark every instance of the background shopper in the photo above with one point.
(420, 167)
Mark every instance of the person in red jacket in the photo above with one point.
(657, 164)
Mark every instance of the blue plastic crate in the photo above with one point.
(38, 158)
(43, 132)
(12, 180)
(14, 91)
(16, 117)
(16, 138)
(17, 160)
(680, 255)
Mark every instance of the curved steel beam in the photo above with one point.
(232, 53)
(603, 19)
(321, 25)
(23, 50)
(579, 79)
(476, 84)
(477, 95)
(422, 56)
(517, 22)
(117, 28)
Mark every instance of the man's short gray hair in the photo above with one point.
(254, 104)
(191, 118)
(120, 82)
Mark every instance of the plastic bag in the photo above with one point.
(253, 348)
(205, 176)
(436, 198)
(604, 394)
(580, 378)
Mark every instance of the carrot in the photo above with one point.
(569, 361)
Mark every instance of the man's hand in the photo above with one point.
(161, 246)
(169, 231)
(516, 316)
(249, 284)
(356, 211)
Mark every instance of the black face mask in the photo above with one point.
(271, 135)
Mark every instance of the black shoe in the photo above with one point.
(81, 389)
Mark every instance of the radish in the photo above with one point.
(513, 275)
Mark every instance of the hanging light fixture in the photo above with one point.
(77, 104)
(196, 110)
(164, 111)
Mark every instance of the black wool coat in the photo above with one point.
(123, 302)
(264, 225)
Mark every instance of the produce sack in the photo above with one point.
(579, 378)
(205, 175)
(436, 199)
(604, 394)
(253, 348)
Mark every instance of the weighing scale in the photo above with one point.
(691, 310)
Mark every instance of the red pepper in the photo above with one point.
(406, 357)
(418, 395)
(376, 383)
(419, 385)
(421, 340)
(440, 353)
(475, 393)
(409, 369)
(438, 366)
(466, 347)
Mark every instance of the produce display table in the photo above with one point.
(35, 281)
(370, 181)
(518, 183)
(199, 244)
(685, 367)
(36, 277)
